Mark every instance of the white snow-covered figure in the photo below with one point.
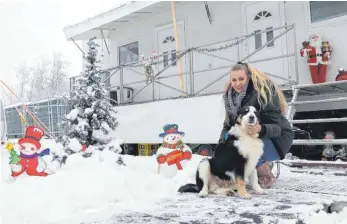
(173, 154)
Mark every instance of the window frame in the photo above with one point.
(127, 43)
(324, 22)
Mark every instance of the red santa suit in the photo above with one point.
(317, 59)
(29, 163)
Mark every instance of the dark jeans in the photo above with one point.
(270, 152)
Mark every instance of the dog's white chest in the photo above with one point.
(249, 146)
(252, 149)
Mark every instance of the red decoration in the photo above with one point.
(29, 165)
(30, 153)
(175, 157)
(187, 155)
(342, 75)
(161, 159)
(318, 53)
(84, 148)
(33, 135)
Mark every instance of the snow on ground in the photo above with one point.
(87, 190)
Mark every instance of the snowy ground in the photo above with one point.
(97, 190)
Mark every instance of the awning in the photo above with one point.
(91, 27)
(200, 118)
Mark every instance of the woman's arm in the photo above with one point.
(226, 128)
(272, 112)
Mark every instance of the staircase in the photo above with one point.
(333, 92)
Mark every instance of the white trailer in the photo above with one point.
(197, 50)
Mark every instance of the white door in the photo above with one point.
(260, 16)
(166, 44)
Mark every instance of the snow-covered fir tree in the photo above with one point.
(88, 125)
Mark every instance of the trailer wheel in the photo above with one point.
(130, 149)
(204, 150)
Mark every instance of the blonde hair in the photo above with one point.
(263, 85)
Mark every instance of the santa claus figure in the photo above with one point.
(29, 160)
(318, 54)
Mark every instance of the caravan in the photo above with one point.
(176, 59)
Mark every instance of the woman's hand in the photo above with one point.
(253, 129)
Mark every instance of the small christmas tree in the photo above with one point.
(92, 116)
(14, 158)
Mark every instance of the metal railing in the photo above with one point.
(292, 110)
(119, 75)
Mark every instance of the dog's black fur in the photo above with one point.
(227, 159)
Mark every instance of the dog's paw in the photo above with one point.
(246, 196)
(259, 191)
(203, 193)
(230, 193)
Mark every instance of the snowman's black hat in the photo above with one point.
(170, 129)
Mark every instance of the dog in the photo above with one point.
(232, 163)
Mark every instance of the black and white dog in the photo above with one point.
(233, 163)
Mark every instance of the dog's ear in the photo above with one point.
(239, 115)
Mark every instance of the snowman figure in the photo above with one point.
(173, 154)
(30, 160)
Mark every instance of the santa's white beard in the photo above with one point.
(316, 43)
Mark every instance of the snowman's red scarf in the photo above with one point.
(178, 145)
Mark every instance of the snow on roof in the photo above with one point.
(16, 105)
(32, 103)
(200, 118)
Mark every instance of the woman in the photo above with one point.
(250, 87)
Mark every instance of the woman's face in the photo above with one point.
(238, 80)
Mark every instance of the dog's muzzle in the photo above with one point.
(251, 120)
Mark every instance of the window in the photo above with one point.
(270, 36)
(173, 57)
(327, 10)
(103, 76)
(171, 54)
(169, 39)
(114, 97)
(128, 53)
(257, 38)
(262, 15)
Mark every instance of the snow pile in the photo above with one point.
(89, 191)
(86, 186)
(318, 215)
(74, 145)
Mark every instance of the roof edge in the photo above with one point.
(103, 18)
